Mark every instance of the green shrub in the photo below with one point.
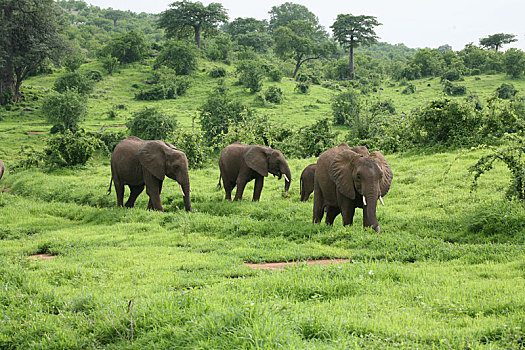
(409, 89)
(302, 88)
(94, 75)
(179, 56)
(312, 140)
(127, 47)
(451, 75)
(251, 74)
(165, 89)
(274, 94)
(74, 81)
(454, 90)
(346, 106)
(217, 72)
(64, 111)
(110, 64)
(193, 144)
(274, 73)
(110, 138)
(68, 149)
(501, 117)
(506, 91)
(151, 124)
(308, 77)
(383, 107)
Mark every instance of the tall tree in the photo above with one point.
(29, 33)
(495, 41)
(284, 14)
(185, 16)
(298, 40)
(351, 31)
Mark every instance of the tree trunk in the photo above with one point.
(351, 60)
(197, 36)
(297, 66)
(7, 80)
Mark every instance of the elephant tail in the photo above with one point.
(109, 189)
(219, 186)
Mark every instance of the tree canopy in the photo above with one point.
(495, 41)
(184, 16)
(284, 14)
(351, 31)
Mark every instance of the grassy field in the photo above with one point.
(447, 271)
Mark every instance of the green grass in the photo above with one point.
(446, 272)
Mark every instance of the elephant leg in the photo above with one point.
(228, 188)
(242, 179)
(119, 189)
(347, 210)
(257, 189)
(135, 191)
(318, 205)
(331, 213)
(153, 188)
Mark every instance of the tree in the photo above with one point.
(64, 111)
(127, 48)
(282, 15)
(185, 16)
(298, 41)
(514, 61)
(351, 31)
(29, 34)
(114, 15)
(179, 56)
(250, 32)
(495, 41)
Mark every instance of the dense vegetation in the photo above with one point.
(446, 271)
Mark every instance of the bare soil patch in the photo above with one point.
(35, 132)
(282, 265)
(41, 256)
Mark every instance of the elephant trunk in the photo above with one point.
(370, 211)
(287, 177)
(184, 182)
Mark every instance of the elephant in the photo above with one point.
(2, 168)
(138, 163)
(307, 181)
(240, 163)
(344, 180)
(307, 176)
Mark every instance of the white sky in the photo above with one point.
(416, 23)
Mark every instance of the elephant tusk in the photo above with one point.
(381, 200)
(181, 191)
(286, 178)
(364, 200)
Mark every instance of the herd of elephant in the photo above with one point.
(343, 178)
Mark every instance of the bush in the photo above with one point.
(454, 90)
(346, 106)
(409, 89)
(192, 143)
(383, 107)
(274, 73)
(111, 138)
(451, 75)
(64, 111)
(501, 117)
(151, 124)
(302, 88)
(506, 91)
(179, 56)
(94, 75)
(126, 48)
(314, 139)
(274, 94)
(308, 77)
(74, 81)
(251, 74)
(110, 64)
(217, 72)
(166, 88)
(218, 112)
(68, 149)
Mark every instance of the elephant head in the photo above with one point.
(266, 160)
(363, 178)
(163, 159)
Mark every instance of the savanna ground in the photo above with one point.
(447, 271)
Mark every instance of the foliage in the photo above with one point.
(314, 139)
(451, 75)
(193, 144)
(512, 153)
(453, 89)
(514, 62)
(68, 149)
(218, 49)
(251, 74)
(501, 117)
(409, 89)
(152, 124)
(506, 91)
(273, 94)
(64, 111)
(217, 72)
(110, 138)
(346, 106)
(30, 34)
(127, 48)
(302, 88)
(185, 16)
(495, 41)
(167, 87)
(274, 73)
(110, 64)
(284, 14)
(74, 81)
(179, 56)
(218, 112)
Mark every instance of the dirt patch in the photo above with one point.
(35, 132)
(41, 256)
(282, 265)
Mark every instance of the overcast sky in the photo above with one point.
(416, 23)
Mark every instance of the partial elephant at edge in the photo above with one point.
(2, 169)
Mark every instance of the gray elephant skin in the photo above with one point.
(308, 175)
(240, 163)
(138, 163)
(345, 180)
(307, 181)
(2, 168)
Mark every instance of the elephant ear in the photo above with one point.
(340, 171)
(256, 158)
(153, 158)
(170, 145)
(387, 177)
